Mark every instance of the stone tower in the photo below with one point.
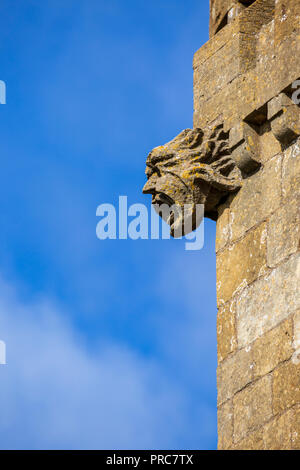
(242, 162)
(247, 75)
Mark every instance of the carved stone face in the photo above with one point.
(188, 171)
(171, 197)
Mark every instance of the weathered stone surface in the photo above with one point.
(278, 73)
(252, 407)
(287, 19)
(286, 126)
(225, 425)
(255, 94)
(223, 229)
(291, 171)
(278, 104)
(226, 59)
(296, 338)
(211, 47)
(251, 22)
(269, 145)
(260, 13)
(272, 348)
(295, 427)
(223, 11)
(234, 12)
(283, 232)
(259, 197)
(218, 11)
(193, 169)
(268, 301)
(245, 145)
(261, 59)
(240, 264)
(234, 374)
(277, 433)
(286, 386)
(226, 331)
(252, 442)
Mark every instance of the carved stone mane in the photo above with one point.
(194, 168)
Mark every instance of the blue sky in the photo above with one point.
(110, 344)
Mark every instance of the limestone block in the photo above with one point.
(225, 11)
(252, 407)
(244, 89)
(283, 232)
(245, 147)
(214, 44)
(218, 11)
(254, 441)
(226, 331)
(277, 433)
(265, 46)
(258, 198)
(295, 427)
(234, 12)
(260, 13)
(215, 106)
(277, 104)
(291, 171)
(220, 66)
(222, 229)
(219, 69)
(223, 232)
(221, 107)
(286, 386)
(274, 71)
(296, 338)
(268, 301)
(241, 263)
(272, 348)
(225, 426)
(245, 61)
(269, 146)
(286, 125)
(251, 21)
(234, 374)
(287, 18)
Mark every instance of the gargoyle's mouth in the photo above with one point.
(160, 200)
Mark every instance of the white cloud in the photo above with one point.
(57, 393)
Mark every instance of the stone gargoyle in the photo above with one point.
(194, 168)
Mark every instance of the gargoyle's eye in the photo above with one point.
(152, 170)
(169, 164)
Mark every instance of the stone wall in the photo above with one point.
(243, 77)
(258, 325)
(223, 12)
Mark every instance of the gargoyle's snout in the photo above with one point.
(148, 188)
